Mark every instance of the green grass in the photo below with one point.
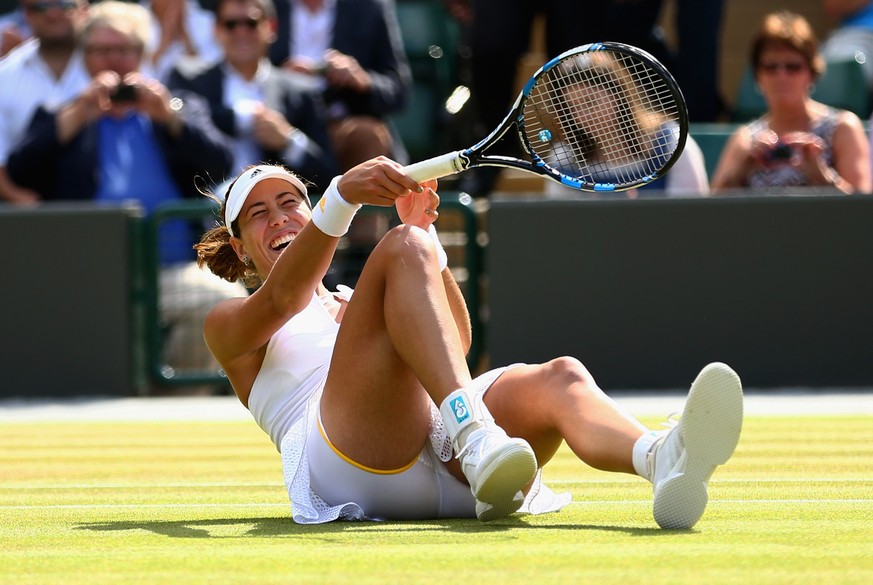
(90, 503)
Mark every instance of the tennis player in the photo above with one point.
(368, 397)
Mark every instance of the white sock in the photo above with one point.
(641, 453)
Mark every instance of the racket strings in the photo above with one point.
(602, 117)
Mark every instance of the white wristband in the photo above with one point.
(333, 215)
(441, 253)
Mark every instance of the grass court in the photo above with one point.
(85, 502)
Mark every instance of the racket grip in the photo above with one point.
(436, 167)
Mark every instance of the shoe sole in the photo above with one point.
(488, 512)
(710, 425)
(503, 476)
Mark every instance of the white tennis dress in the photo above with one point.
(284, 403)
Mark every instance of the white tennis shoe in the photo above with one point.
(682, 460)
(498, 467)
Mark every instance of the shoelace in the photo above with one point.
(470, 440)
(672, 420)
(464, 450)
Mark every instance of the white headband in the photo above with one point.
(247, 181)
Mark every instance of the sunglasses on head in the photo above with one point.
(249, 23)
(793, 67)
(41, 7)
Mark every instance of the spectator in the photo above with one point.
(14, 30)
(609, 130)
(853, 36)
(267, 112)
(687, 177)
(125, 137)
(45, 71)
(355, 51)
(500, 33)
(695, 59)
(181, 31)
(798, 141)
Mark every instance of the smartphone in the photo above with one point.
(124, 92)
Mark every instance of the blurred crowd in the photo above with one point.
(317, 84)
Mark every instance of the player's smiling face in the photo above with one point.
(274, 213)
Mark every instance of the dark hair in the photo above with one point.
(214, 249)
(788, 30)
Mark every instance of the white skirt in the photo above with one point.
(308, 508)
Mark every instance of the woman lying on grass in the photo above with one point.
(368, 397)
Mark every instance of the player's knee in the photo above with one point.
(409, 243)
(568, 373)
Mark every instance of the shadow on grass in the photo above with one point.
(284, 527)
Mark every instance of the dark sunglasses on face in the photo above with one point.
(42, 7)
(791, 68)
(232, 24)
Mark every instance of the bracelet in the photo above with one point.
(441, 252)
(333, 215)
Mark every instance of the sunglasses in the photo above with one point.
(249, 23)
(790, 68)
(43, 7)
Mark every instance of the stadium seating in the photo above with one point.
(711, 137)
(430, 37)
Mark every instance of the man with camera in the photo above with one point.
(126, 137)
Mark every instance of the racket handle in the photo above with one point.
(436, 167)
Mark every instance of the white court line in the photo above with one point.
(277, 484)
(129, 506)
(140, 486)
(784, 402)
(286, 504)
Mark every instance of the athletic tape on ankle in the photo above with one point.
(333, 215)
(441, 253)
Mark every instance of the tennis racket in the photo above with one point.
(600, 117)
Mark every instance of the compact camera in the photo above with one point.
(780, 152)
(123, 92)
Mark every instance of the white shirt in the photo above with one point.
(244, 97)
(687, 177)
(26, 83)
(200, 24)
(312, 32)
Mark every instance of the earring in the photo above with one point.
(246, 260)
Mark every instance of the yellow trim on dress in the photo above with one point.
(355, 463)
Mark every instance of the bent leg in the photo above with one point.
(559, 400)
(397, 338)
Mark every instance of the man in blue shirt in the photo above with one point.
(126, 137)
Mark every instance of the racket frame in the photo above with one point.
(461, 160)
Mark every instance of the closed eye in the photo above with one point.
(290, 202)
